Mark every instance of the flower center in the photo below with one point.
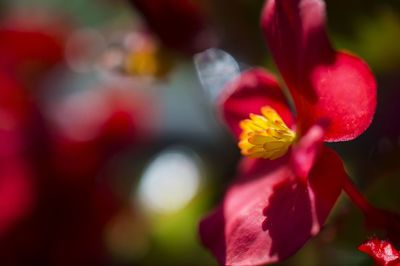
(265, 136)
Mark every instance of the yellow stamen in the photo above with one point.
(148, 61)
(265, 136)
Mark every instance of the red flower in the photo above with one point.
(16, 191)
(14, 40)
(74, 199)
(383, 252)
(27, 50)
(106, 120)
(274, 207)
(54, 205)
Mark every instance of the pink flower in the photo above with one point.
(284, 192)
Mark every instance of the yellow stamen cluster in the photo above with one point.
(148, 61)
(265, 136)
(142, 63)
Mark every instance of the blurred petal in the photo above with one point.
(324, 83)
(267, 218)
(14, 101)
(382, 252)
(43, 48)
(16, 188)
(215, 68)
(106, 120)
(16, 192)
(249, 92)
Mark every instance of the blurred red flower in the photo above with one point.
(25, 54)
(382, 251)
(74, 199)
(15, 40)
(274, 207)
(16, 190)
(29, 48)
(55, 199)
(104, 121)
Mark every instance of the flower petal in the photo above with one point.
(324, 83)
(248, 93)
(16, 192)
(266, 218)
(346, 91)
(44, 49)
(296, 36)
(305, 152)
(383, 252)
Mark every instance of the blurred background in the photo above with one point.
(110, 146)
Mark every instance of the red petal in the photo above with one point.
(324, 83)
(249, 92)
(14, 100)
(383, 252)
(305, 152)
(295, 32)
(346, 92)
(43, 48)
(16, 192)
(268, 217)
